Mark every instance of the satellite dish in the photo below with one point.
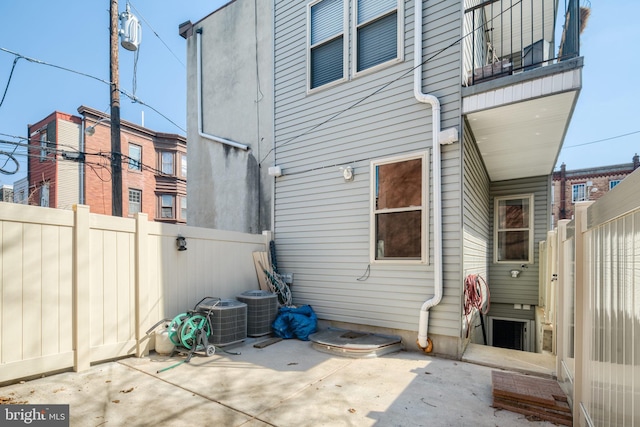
(130, 30)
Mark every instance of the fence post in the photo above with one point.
(581, 303)
(141, 284)
(81, 289)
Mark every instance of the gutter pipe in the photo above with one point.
(423, 341)
(199, 90)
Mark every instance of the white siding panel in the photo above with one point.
(68, 188)
(476, 210)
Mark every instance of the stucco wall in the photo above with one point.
(232, 189)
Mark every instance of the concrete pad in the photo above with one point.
(540, 364)
(285, 384)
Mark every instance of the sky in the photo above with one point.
(74, 34)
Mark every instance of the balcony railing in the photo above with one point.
(504, 37)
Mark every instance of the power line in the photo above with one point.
(602, 140)
(156, 34)
(13, 67)
(123, 92)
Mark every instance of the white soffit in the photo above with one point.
(522, 139)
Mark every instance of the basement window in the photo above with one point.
(399, 209)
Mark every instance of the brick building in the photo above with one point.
(70, 163)
(571, 186)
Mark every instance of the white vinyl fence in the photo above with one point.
(78, 288)
(598, 308)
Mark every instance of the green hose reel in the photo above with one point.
(184, 328)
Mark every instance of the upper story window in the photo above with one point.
(399, 209)
(377, 36)
(513, 234)
(166, 206)
(135, 157)
(183, 207)
(578, 193)
(183, 165)
(326, 42)
(43, 145)
(613, 183)
(166, 162)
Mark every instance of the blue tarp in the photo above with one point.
(297, 322)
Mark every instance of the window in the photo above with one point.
(377, 35)
(613, 183)
(135, 157)
(514, 229)
(578, 193)
(183, 165)
(398, 209)
(135, 201)
(43, 145)
(183, 208)
(44, 195)
(166, 206)
(326, 41)
(166, 162)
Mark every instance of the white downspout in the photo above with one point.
(199, 90)
(423, 341)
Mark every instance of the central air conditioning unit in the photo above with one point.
(262, 309)
(228, 322)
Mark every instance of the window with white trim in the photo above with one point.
(513, 230)
(326, 42)
(135, 201)
(578, 193)
(377, 33)
(613, 183)
(399, 209)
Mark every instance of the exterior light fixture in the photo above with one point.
(181, 243)
(92, 129)
(347, 173)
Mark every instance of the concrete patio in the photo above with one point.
(285, 384)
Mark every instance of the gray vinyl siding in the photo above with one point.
(523, 289)
(68, 186)
(476, 228)
(322, 221)
(507, 311)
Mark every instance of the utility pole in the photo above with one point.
(116, 155)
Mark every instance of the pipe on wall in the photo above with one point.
(423, 325)
(199, 90)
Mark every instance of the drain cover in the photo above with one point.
(355, 344)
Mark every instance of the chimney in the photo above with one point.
(636, 161)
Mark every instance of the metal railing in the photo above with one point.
(504, 37)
